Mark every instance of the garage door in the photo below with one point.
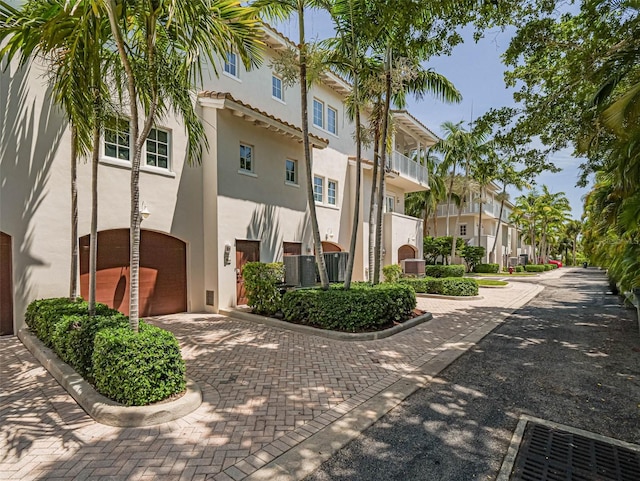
(163, 272)
(6, 286)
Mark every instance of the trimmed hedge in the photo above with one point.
(519, 268)
(454, 270)
(138, 368)
(447, 286)
(550, 267)
(534, 268)
(73, 339)
(486, 268)
(361, 308)
(260, 281)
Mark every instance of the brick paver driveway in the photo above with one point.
(265, 391)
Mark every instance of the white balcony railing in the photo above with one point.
(407, 168)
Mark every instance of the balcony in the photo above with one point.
(406, 173)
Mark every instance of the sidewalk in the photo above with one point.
(276, 403)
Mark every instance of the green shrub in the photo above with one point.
(519, 268)
(392, 273)
(472, 255)
(260, 281)
(548, 267)
(42, 315)
(486, 268)
(446, 286)
(138, 368)
(552, 266)
(454, 270)
(361, 308)
(73, 339)
(534, 268)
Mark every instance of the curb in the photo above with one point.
(451, 298)
(102, 409)
(335, 335)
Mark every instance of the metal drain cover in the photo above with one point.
(549, 453)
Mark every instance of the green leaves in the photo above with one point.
(260, 282)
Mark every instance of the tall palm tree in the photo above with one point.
(454, 151)
(276, 9)
(573, 229)
(71, 37)
(484, 172)
(161, 51)
(552, 210)
(424, 203)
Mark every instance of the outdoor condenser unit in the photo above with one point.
(300, 271)
(336, 263)
(413, 266)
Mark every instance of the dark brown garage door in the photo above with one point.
(6, 285)
(163, 272)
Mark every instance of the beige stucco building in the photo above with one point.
(245, 200)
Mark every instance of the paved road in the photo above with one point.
(572, 355)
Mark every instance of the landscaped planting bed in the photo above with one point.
(448, 286)
(454, 270)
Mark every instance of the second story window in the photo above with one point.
(276, 88)
(332, 122)
(463, 229)
(332, 192)
(116, 140)
(318, 113)
(291, 172)
(318, 188)
(246, 158)
(158, 148)
(389, 203)
(231, 64)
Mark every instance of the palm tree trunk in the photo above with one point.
(356, 208)
(453, 175)
(575, 240)
(324, 278)
(383, 157)
(372, 204)
(480, 203)
(454, 240)
(93, 238)
(73, 278)
(435, 223)
(495, 241)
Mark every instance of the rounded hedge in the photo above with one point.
(448, 286)
(140, 368)
(486, 268)
(534, 268)
(454, 270)
(361, 308)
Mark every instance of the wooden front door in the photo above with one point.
(6, 285)
(406, 252)
(162, 287)
(246, 251)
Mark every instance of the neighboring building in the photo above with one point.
(245, 201)
(509, 245)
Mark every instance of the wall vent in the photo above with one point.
(210, 298)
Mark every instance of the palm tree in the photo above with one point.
(573, 229)
(484, 172)
(161, 52)
(453, 149)
(282, 10)
(424, 203)
(552, 210)
(70, 37)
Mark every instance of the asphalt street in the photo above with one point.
(572, 355)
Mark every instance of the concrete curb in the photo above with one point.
(452, 298)
(102, 409)
(305, 458)
(336, 336)
(508, 286)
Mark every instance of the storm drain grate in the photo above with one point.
(548, 454)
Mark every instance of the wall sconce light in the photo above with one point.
(411, 238)
(144, 211)
(329, 234)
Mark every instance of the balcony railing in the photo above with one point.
(407, 168)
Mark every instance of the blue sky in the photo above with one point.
(476, 70)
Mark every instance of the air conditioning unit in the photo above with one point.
(413, 266)
(336, 263)
(300, 271)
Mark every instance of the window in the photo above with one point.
(276, 88)
(231, 64)
(291, 171)
(246, 158)
(318, 188)
(158, 148)
(318, 113)
(389, 203)
(116, 140)
(463, 229)
(332, 188)
(156, 151)
(332, 115)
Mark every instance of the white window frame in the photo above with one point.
(335, 192)
(315, 191)
(335, 120)
(389, 200)
(145, 165)
(274, 88)
(465, 230)
(294, 172)
(313, 114)
(229, 66)
(252, 162)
